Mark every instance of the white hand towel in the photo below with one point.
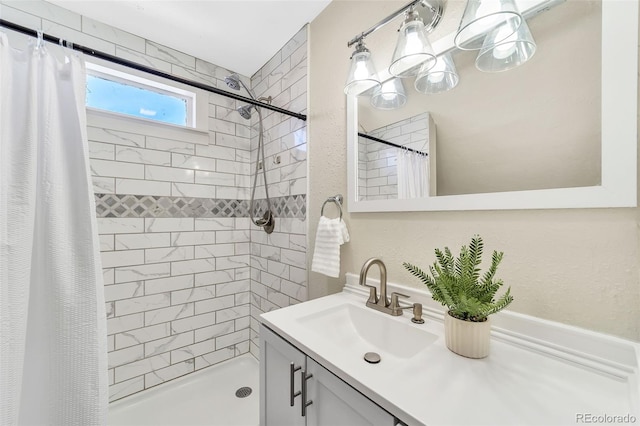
(331, 234)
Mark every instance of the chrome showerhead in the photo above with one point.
(233, 81)
(245, 111)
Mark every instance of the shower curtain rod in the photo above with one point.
(373, 138)
(129, 64)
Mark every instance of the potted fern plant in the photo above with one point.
(470, 298)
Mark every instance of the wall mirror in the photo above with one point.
(557, 132)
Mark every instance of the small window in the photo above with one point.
(123, 93)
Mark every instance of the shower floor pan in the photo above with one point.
(206, 397)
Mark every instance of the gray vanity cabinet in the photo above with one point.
(337, 403)
(329, 400)
(280, 372)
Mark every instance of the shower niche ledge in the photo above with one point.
(538, 372)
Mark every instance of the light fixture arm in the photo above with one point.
(436, 6)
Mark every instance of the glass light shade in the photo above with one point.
(517, 49)
(390, 95)
(442, 77)
(412, 50)
(481, 17)
(362, 75)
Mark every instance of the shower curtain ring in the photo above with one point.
(40, 41)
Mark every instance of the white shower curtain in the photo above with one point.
(413, 174)
(53, 367)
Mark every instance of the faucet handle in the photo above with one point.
(395, 305)
(394, 298)
(373, 294)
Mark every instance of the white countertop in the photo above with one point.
(518, 384)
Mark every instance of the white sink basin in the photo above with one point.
(417, 375)
(357, 329)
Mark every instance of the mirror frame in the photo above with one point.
(619, 136)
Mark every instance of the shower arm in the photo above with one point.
(248, 91)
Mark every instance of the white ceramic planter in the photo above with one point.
(466, 338)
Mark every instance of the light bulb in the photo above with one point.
(504, 50)
(441, 78)
(388, 86)
(413, 48)
(362, 75)
(361, 72)
(504, 55)
(390, 95)
(414, 44)
(388, 90)
(508, 46)
(436, 75)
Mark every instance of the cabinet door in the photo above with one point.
(276, 357)
(335, 403)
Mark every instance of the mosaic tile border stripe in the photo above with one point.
(137, 206)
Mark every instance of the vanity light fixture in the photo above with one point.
(362, 74)
(390, 95)
(441, 78)
(481, 17)
(413, 49)
(496, 56)
(495, 27)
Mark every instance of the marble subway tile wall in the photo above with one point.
(177, 293)
(381, 181)
(175, 249)
(362, 168)
(278, 260)
(172, 212)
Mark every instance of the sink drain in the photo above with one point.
(372, 357)
(244, 392)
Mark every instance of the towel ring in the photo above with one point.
(337, 200)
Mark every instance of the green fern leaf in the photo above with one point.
(455, 282)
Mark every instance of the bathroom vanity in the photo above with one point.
(313, 371)
(295, 380)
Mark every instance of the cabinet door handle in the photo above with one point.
(292, 372)
(305, 403)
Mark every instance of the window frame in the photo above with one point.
(111, 74)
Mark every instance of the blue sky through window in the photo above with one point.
(131, 100)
